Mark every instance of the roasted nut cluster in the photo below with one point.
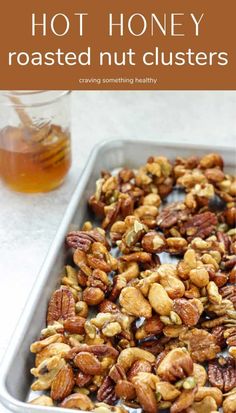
(134, 328)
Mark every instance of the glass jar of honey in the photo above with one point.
(35, 149)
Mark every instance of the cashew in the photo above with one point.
(176, 364)
(232, 351)
(52, 366)
(190, 258)
(167, 391)
(229, 404)
(119, 227)
(102, 408)
(54, 349)
(174, 331)
(111, 329)
(70, 277)
(129, 355)
(199, 277)
(200, 374)
(105, 408)
(77, 401)
(131, 271)
(102, 319)
(81, 308)
(80, 259)
(42, 401)
(198, 304)
(183, 401)
(167, 269)
(39, 345)
(200, 244)
(206, 405)
(145, 284)
(134, 303)
(208, 259)
(144, 210)
(213, 293)
(148, 378)
(152, 199)
(51, 329)
(160, 300)
(209, 391)
(173, 286)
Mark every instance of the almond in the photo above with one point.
(139, 366)
(125, 390)
(88, 363)
(74, 325)
(153, 325)
(63, 383)
(146, 397)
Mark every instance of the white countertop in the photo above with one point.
(28, 222)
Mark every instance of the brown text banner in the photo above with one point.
(105, 44)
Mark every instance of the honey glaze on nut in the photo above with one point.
(129, 330)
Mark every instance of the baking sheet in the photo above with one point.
(15, 377)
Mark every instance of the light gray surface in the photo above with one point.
(28, 223)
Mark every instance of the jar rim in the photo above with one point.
(18, 93)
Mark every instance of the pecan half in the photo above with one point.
(97, 206)
(83, 239)
(106, 392)
(117, 373)
(200, 225)
(173, 214)
(82, 379)
(98, 350)
(230, 336)
(222, 373)
(229, 292)
(61, 305)
(218, 332)
(201, 344)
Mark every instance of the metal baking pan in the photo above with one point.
(15, 377)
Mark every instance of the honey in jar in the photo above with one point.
(31, 165)
(35, 155)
